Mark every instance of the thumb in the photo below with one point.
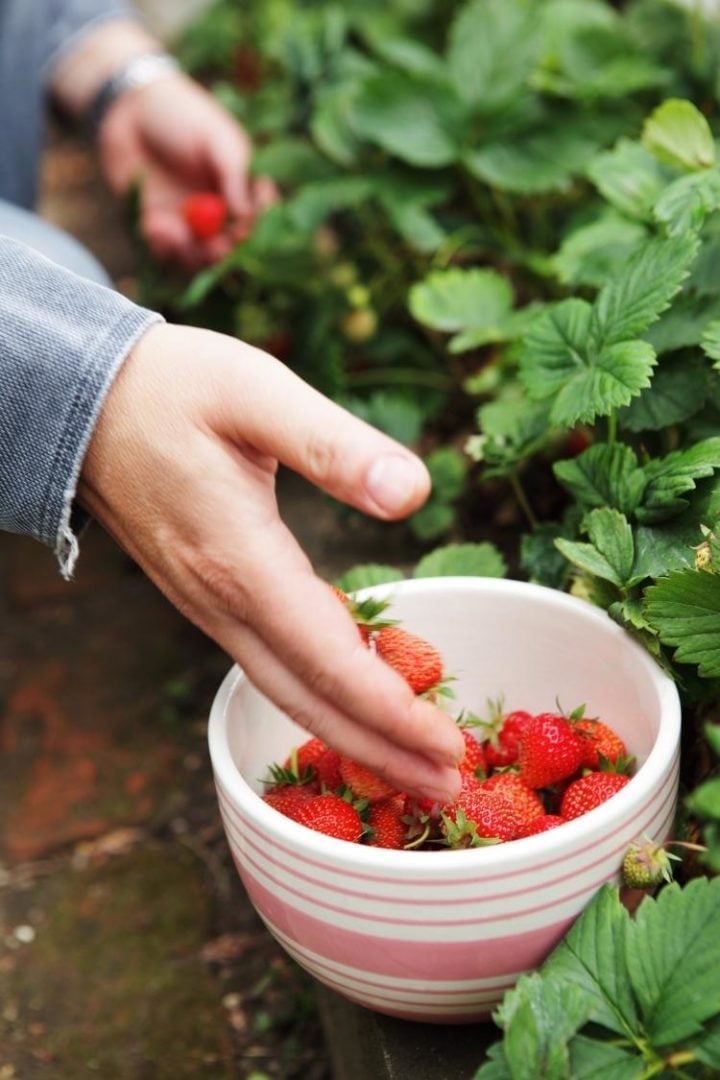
(285, 418)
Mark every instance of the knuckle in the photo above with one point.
(322, 455)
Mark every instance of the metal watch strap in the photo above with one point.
(140, 71)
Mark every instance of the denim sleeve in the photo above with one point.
(62, 340)
(68, 20)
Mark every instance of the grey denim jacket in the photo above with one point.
(62, 338)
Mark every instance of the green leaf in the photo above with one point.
(495, 1066)
(392, 413)
(365, 575)
(710, 341)
(686, 203)
(411, 56)
(712, 734)
(462, 560)
(463, 301)
(707, 1047)
(492, 47)
(559, 361)
(291, 161)
(629, 177)
(668, 479)
(330, 123)
(592, 956)
(541, 560)
(534, 163)
(447, 468)
(603, 475)
(628, 304)
(591, 254)
(673, 960)
(683, 324)
(610, 554)
(678, 134)
(539, 1016)
(315, 201)
(684, 609)
(679, 389)
(593, 1059)
(420, 121)
(705, 799)
(432, 521)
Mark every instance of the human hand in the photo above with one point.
(181, 471)
(174, 138)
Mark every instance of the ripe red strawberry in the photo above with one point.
(363, 782)
(419, 662)
(328, 772)
(285, 799)
(600, 741)
(205, 214)
(590, 791)
(543, 824)
(550, 750)
(305, 756)
(388, 830)
(474, 760)
(526, 803)
(501, 749)
(478, 816)
(329, 814)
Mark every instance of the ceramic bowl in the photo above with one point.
(440, 936)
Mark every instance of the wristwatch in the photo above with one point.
(140, 71)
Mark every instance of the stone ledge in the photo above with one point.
(364, 1044)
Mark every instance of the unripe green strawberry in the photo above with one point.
(646, 864)
(360, 324)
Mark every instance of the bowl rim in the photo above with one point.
(572, 836)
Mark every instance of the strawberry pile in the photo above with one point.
(522, 773)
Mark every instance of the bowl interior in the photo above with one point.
(530, 645)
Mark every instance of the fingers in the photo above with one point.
(406, 768)
(283, 416)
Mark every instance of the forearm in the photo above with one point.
(62, 340)
(79, 72)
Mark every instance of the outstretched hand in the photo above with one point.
(181, 471)
(176, 141)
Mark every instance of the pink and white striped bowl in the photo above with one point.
(440, 936)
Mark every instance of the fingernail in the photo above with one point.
(393, 480)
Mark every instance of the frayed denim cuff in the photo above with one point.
(62, 341)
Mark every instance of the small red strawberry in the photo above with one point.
(305, 756)
(328, 772)
(526, 803)
(285, 799)
(543, 824)
(600, 741)
(363, 782)
(590, 791)
(388, 830)
(477, 817)
(205, 214)
(419, 662)
(329, 814)
(550, 750)
(502, 734)
(474, 760)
